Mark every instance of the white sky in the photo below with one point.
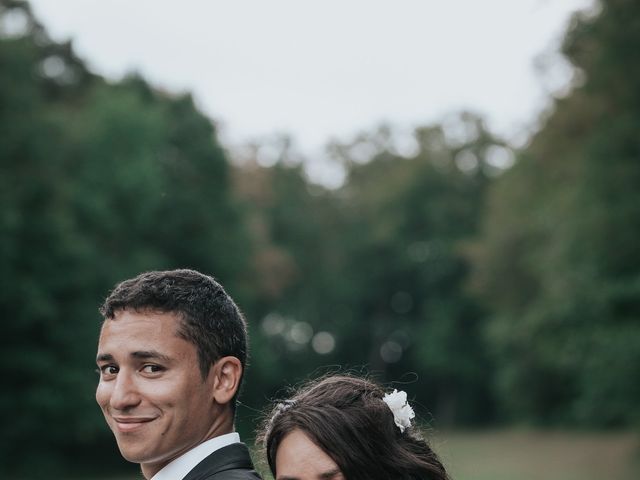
(328, 69)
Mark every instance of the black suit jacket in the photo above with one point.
(228, 463)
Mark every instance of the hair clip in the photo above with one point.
(285, 405)
(402, 411)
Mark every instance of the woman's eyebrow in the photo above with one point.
(330, 474)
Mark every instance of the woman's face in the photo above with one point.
(298, 458)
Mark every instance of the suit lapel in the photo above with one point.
(234, 456)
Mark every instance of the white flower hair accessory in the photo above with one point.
(402, 411)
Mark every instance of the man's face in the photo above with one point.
(151, 391)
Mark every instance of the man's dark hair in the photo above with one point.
(346, 418)
(209, 318)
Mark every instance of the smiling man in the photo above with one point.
(171, 356)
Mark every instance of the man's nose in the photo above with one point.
(125, 393)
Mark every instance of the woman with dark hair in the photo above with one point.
(347, 428)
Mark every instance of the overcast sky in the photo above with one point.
(328, 69)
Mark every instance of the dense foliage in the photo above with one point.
(497, 296)
(559, 263)
(98, 181)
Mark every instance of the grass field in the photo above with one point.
(537, 455)
(533, 455)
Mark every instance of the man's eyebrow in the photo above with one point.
(140, 354)
(104, 357)
(150, 355)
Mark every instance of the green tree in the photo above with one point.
(300, 288)
(378, 264)
(412, 218)
(98, 181)
(558, 263)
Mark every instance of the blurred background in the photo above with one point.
(476, 247)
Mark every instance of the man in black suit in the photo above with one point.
(171, 356)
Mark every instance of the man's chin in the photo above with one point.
(137, 457)
(132, 450)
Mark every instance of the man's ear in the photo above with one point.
(227, 373)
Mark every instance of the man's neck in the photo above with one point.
(150, 469)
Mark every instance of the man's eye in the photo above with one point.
(152, 368)
(107, 370)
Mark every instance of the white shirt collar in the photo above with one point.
(178, 468)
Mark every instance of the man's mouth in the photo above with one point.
(130, 424)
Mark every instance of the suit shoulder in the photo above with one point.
(232, 462)
(239, 474)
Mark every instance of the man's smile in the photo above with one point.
(130, 424)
